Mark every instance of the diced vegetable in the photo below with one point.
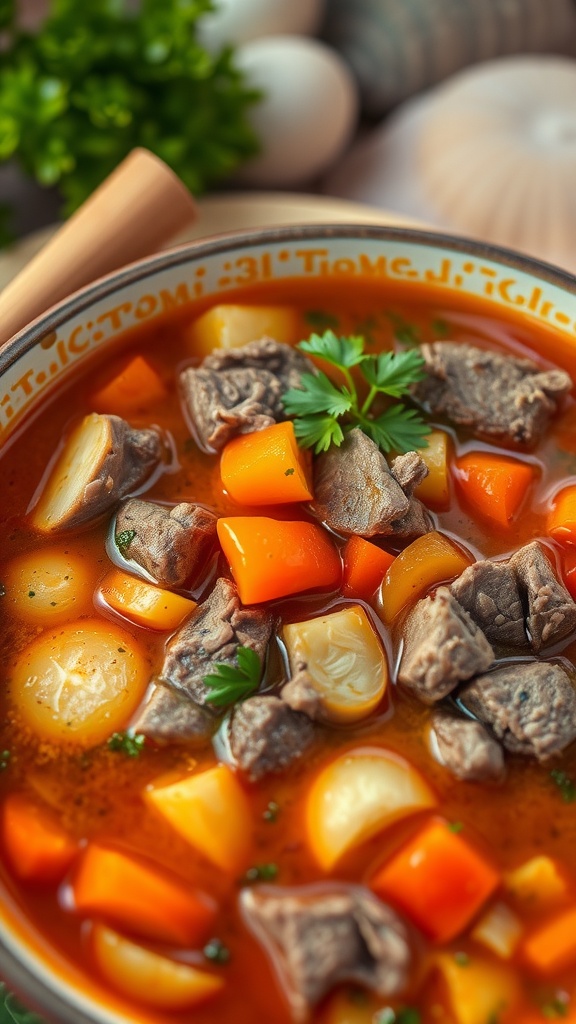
(345, 660)
(479, 991)
(137, 386)
(365, 566)
(230, 326)
(438, 879)
(357, 795)
(499, 929)
(270, 558)
(538, 884)
(266, 467)
(48, 586)
(562, 518)
(38, 847)
(435, 488)
(79, 683)
(140, 896)
(427, 562)
(143, 603)
(551, 947)
(149, 978)
(211, 812)
(494, 485)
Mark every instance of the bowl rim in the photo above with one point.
(30, 985)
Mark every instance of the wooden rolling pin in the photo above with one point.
(139, 207)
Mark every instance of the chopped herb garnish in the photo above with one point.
(565, 784)
(555, 1009)
(31, 593)
(404, 332)
(320, 320)
(405, 1015)
(289, 472)
(4, 760)
(123, 540)
(323, 410)
(261, 873)
(455, 826)
(216, 951)
(131, 744)
(230, 683)
(271, 813)
(462, 959)
(440, 328)
(13, 1012)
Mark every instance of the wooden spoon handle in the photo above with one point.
(135, 210)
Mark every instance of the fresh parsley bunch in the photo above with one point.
(324, 411)
(12, 1011)
(100, 78)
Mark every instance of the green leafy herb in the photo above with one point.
(462, 959)
(5, 756)
(230, 683)
(12, 1011)
(129, 743)
(123, 541)
(565, 784)
(261, 873)
(455, 826)
(440, 328)
(320, 320)
(104, 76)
(217, 952)
(404, 332)
(271, 813)
(405, 1015)
(31, 593)
(289, 472)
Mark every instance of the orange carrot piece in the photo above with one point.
(552, 946)
(438, 879)
(135, 386)
(270, 558)
(143, 603)
(38, 848)
(426, 562)
(141, 897)
(267, 467)
(365, 566)
(495, 486)
(562, 518)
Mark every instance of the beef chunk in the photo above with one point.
(410, 470)
(355, 492)
(318, 937)
(265, 736)
(301, 694)
(498, 396)
(238, 391)
(169, 716)
(466, 748)
(212, 635)
(172, 544)
(530, 705)
(442, 646)
(489, 593)
(551, 612)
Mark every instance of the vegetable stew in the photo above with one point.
(289, 688)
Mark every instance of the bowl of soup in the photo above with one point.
(289, 635)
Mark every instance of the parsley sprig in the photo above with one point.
(230, 683)
(324, 411)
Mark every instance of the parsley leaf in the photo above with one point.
(13, 1012)
(341, 352)
(123, 541)
(565, 784)
(129, 743)
(230, 683)
(398, 429)
(317, 394)
(393, 372)
(261, 873)
(318, 432)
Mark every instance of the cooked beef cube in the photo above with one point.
(265, 736)
(442, 646)
(466, 748)
(301, 694)
(410, 470)
(495, 395)
(355, 492)
(170, 716)
(489, 593)
(172, 544)
(318, 938)
(551, 611)
(238, 391)
(530, 705)
(212, 635)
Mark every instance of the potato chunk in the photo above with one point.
(79, 683)
(48, 586)
(230, 326)
(102, 461)
(344, 659)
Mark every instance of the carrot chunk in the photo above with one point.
(137, 385)
(266, 467)
(425, 563)
(365, 566)
(437, 879)
(552, 946)
(38, 848)
(143, 603)
(140, 897)
(495, 486)
(562, 518)
(270, 559)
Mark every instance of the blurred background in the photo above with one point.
(460, 113)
